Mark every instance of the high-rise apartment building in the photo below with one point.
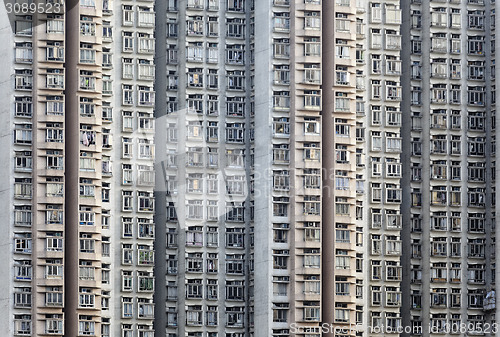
(449, 164)
(78, 172)
(263, 99)
(379, 168)
(320, 165)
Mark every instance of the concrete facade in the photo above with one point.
(70, 110)
(450, 174)
(317, 162)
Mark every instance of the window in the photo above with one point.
(236, 28)
(23, 188)
(311, 258)
(55, 24)
(146, 228)
(23, 215)
(194, 236)
(312, 20)
(235, 54)
(235, 132)
(281, 48)
(53, 324)
(341, 286)
(145, 282)
(280, 312)
(476, 197)
(87, 187)
(87, 27)
(235, 185)
(311, 151)
(342, 260)
(212, 237)
(54, 79)
(393, 271)
(281, 74)
(127, 281)
(212, 133)
(212, 210)
(194, 183)
(476, 146)
(87, 53)
(235, 5)
(235, 106)
(23, 134)
(212, 159)
(23, 270)
(145, 255)
(87, 244)
(281, 100)
(476, 19)
(86, 298)
(476, 274)
(54, 241)
(24, 26)
(280, 259)
(393, 193)
(23, 161)
(280, 206)
(194, 262)
(341, 313)
(235, 211)
(312, 46)
(280, 232)
(194, 209)
(476, 248)
(53, 269)
(342, 23)
(195, 77)
(87, 163)
(24, 106)
(146, 148)
(235, 290)
(476, 45)
(195, 104)
(311, 205)
(235, 237)
(145, 308)
(195, 51)
(194, 315)
(86, 216)
(194, 156)
(22, 297)
(342, 234)
(171, 317)
(212, 26)
(146, 96)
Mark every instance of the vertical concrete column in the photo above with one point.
(160, 217)
(71, 170)
(328, 160)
